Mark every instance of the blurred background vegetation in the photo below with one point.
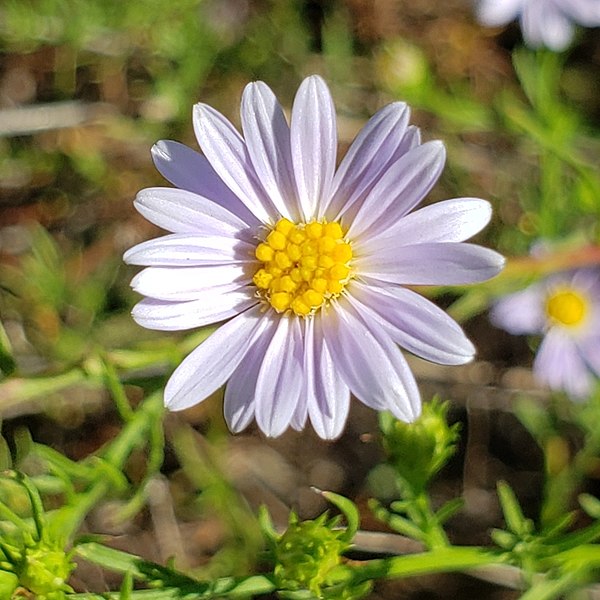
(86, 88)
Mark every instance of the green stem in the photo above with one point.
(135, 433)
(438, 561)
(441, 560)
(173, 584)
(8, 515)
(548, 589)
(435, 536)
(551, 208)
(117, 391)
(16, 391)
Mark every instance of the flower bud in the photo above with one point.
(419, 450)
(307, 553)
(45, 570)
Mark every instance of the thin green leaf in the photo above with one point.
(7, 361)
(449, 509)
(349, 510)
(143, 570)
(590, 504)
(515, 521)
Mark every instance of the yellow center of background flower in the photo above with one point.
(304, 265)
(566, 307)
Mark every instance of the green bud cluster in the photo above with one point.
(37, 567)
(45, 571)
(307, 552)
(419, 450)
(33, 560)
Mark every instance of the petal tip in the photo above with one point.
(160, 149)
(438, 147)
(176, 400)
(500, 261)
(413, 414)
(127, 256)
(199, 112)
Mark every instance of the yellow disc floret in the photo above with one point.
(566, 307)
(304, 265)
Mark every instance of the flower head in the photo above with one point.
(543, 22)
(304, 263)
(565, 308)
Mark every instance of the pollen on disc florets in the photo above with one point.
(566, 307)
(304, 265)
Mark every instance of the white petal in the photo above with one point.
(449, 221)
(559, 365)
(189, 283)
(498, 12)
(432, 264)
(521, 312)
(211, 364)
(328, 396)
(411, 139)
(280, 379)
(400, 189)
(587, 280)
(590, 350)
(214, 306)
(370, 363)
(314, 144)
(267, 136)
(414, 323)
(181, 211)
(369, 155)
(585, 12)
(189, 170)
(544, 24)
(240, 394)
(189, 250)
(298, 420)
(226, 151)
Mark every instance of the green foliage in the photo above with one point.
(416, 453)
(569, 185)
(565, 470)
(61, 309)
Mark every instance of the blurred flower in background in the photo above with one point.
(307, 264)
(565, 308)
(547, 23)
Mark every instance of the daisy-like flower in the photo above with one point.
(565, 308)
(305, 264)
(547, 23)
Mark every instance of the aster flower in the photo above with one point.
(565, 308)
(305, 264)
(547, 23)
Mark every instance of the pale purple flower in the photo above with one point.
(565, 308)
(547, 23)
(305, 264)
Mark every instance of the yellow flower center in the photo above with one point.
(304, 265)
(566, 307)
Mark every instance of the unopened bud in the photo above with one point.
(419, 450)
